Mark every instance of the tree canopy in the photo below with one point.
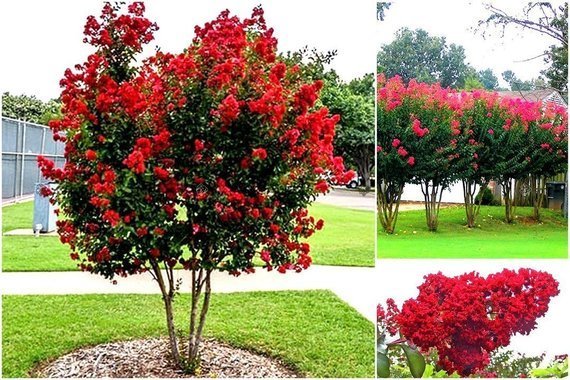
(29, 108)
(415, 54)
(354, 101)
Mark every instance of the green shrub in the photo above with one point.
(488, 197)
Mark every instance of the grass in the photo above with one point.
(346, 239)
(492, 238)
(313, 331)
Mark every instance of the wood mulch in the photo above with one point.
(150, 358)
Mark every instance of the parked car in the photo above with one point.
(357, 181)
(354, 181)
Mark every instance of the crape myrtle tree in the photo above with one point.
(514, 153)
(393, 169)
(441, 156)
(204, 158)
(419, 142)
(512, 139)
(479, 115)
(549, 139)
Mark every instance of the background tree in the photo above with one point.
(354, 101)
(207, 158)
(30, 108)
(414, 54)
(488, 79)
(472, 82)
(516, 84)
(546, 19)
(381, 8)
(355, 130)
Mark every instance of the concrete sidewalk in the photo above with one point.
(352, 284)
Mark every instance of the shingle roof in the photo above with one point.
(545, 95)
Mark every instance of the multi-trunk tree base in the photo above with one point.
(388, 203)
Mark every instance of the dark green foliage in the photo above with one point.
(355, 132)
(488, 79)
(487, 195)
(508, 364)
(30, 108)
(414, 54)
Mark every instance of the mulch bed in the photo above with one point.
(150, 358)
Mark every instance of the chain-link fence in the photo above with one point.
(22, 143)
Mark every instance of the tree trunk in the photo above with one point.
(200, 280)
(367, 185)
(507, 194)
(167, 297)
(364, 169)
(388, 203)
(432, 201)
(472, 207)
(538, 192)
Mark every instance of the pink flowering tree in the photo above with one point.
(203, 159)
(512, 149)
(548, 140)
(419, 142)
(467, 317)
(393, 170)
(480, 114)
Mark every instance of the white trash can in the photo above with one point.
(44, 211)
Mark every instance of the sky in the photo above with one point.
(40, 39)
(455, 20)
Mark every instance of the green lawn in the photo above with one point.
(313, 331)
(346, 239)
(491, 239)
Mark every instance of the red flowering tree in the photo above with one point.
(468, 316)
(205, 158)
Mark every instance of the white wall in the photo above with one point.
(452, 195)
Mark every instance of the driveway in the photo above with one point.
(349, 198)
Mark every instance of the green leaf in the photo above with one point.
(416, 361)
(428, 371)
(382, 365)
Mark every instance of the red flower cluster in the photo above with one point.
(468, 316)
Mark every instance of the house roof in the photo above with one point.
(544, 95)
